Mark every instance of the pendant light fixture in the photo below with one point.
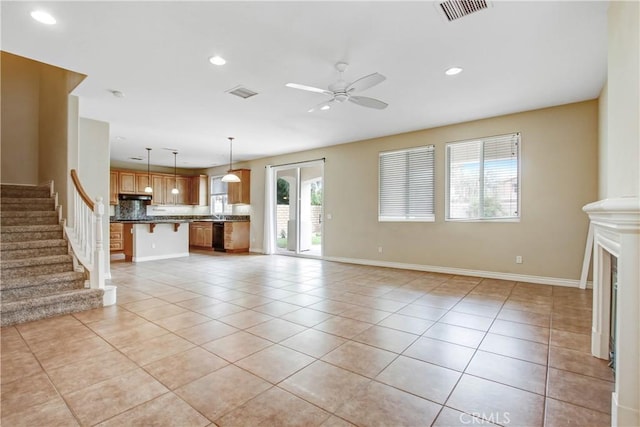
(175, 175)
(230, 177)
(148, 188)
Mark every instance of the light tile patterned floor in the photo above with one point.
(247, 340)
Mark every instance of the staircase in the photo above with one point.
(37, 278)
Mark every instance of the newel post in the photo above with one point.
(98, 261)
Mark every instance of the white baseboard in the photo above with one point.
(573, 283)
(159, 257)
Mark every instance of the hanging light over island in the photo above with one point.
(230, 177)
(175, 175)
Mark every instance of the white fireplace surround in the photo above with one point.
(616, 228)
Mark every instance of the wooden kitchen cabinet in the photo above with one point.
(198, 190)
(236, 236)
(127, 182)
(142, 181)
(157, 184)
(116, 242)
(180, 182)
(113, 188)
(201, 234)
(240, 192)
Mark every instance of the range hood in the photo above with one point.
(145, 197)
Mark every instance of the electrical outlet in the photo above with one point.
(379, 249)
(153, 246)
(518, 259)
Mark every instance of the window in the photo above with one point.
(483, 179)
(406, 185)
(219, 196)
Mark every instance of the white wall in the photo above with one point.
(621, 174)
(93, 169)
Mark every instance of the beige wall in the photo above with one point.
(559, 176)
(20, 112)
(622, 144)
(35, 122)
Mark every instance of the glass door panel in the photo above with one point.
(298, 216)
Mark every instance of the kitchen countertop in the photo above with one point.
(172, 221)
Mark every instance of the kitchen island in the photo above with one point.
(154, 240)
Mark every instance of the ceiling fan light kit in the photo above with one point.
(341, 91)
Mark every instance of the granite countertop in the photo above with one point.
(175, 220)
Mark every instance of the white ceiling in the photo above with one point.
(516, 56)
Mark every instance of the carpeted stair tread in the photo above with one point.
(30, 214)
(30, 262)
(33, 244)
(27, 281)
(12, 218)
(8, 190)
(64, 302)
(30, 228)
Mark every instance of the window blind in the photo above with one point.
(406, 185)
(483, 178)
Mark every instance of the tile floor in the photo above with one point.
(248, 340)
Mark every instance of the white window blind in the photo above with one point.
(483, 178)
(406, 185)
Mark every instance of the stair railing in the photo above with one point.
(85, 235)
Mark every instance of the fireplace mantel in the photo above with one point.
(616, 227)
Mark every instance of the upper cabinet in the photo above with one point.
(127, 182)
(142, 182)
(113, 188)
(198, 194)
(192, 190)
(240, 192)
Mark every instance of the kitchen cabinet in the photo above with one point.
(198, 194)
(192, 190)
(240, 192)
(113, 188)
(142, 181)
(116, 243)
(182, 184)
(157, 183)
(236, 236)
(201, 234)
(127, 182)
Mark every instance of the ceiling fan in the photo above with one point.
(341, 91)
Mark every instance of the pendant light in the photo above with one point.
(175, 176)
(148, 188)
(230, 177)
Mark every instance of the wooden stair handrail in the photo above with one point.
(83, 194)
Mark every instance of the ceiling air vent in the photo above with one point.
(456, 9)
(242, 92)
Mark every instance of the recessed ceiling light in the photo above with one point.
(43, 17)
(217, 60)
(325, 107)
(453, 71)
(120, 138)
(116, 93)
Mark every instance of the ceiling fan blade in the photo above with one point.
(366, 82)
(322, 106)
(365, 101)
(308, 88)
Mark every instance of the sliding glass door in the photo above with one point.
(298, 211)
